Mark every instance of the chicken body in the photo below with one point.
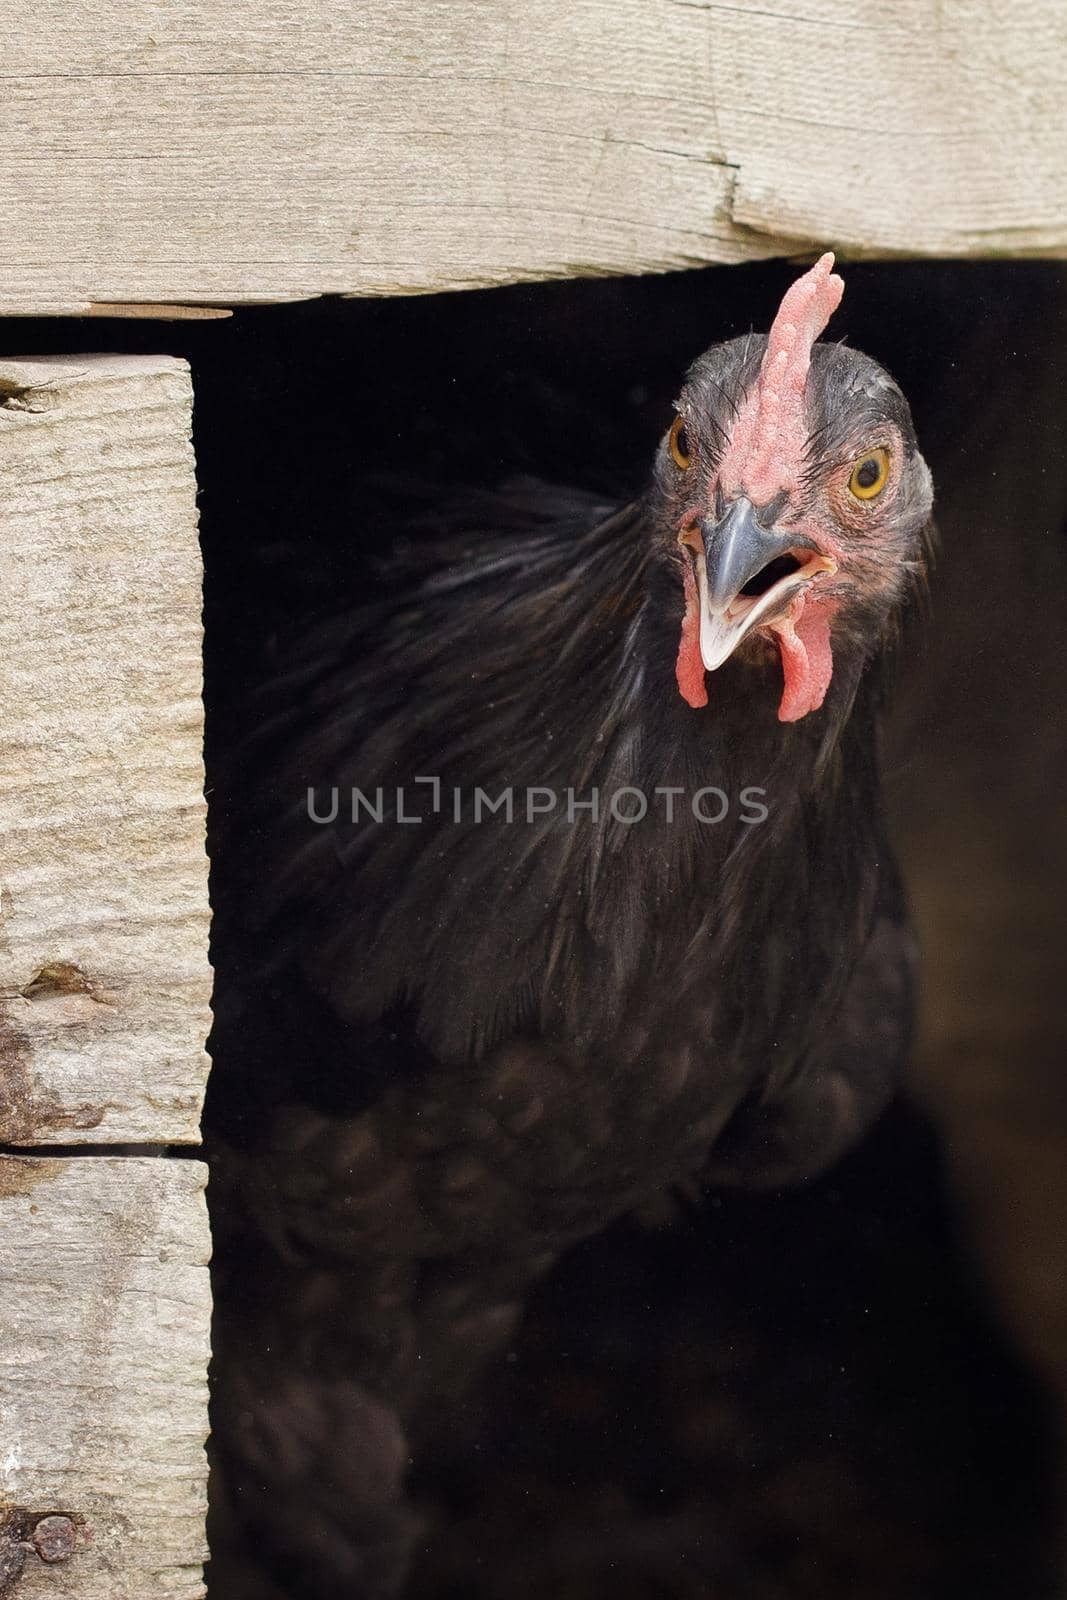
(679, 955)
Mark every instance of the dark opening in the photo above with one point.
(768, 576)
(852, 1388)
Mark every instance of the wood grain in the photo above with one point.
(104, 978)
(277, 149)
(104, 1315)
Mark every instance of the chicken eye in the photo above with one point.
(679, 444)
(869, 474)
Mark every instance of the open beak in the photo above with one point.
(746, 575)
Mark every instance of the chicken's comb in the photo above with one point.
(806, 308)
(764, 453)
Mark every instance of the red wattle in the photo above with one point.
(807, 660)
(689, 668)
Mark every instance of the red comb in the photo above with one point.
(765, 453)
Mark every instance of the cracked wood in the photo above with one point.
(104, 1314)
(272, 150)
(104, 979)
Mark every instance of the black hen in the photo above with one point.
(546, 920)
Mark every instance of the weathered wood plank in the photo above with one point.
(274, 149)
(104, 1315)
(104, 979)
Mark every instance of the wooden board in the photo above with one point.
(276, 149)
(104, 978)
(104, 1314)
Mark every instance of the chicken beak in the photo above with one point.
(732, 553)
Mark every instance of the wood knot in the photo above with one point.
(57, 977)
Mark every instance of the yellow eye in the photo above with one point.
(869, 474)
(678, 443)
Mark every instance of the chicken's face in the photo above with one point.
(793, 494)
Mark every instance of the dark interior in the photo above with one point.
(857, 1387)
